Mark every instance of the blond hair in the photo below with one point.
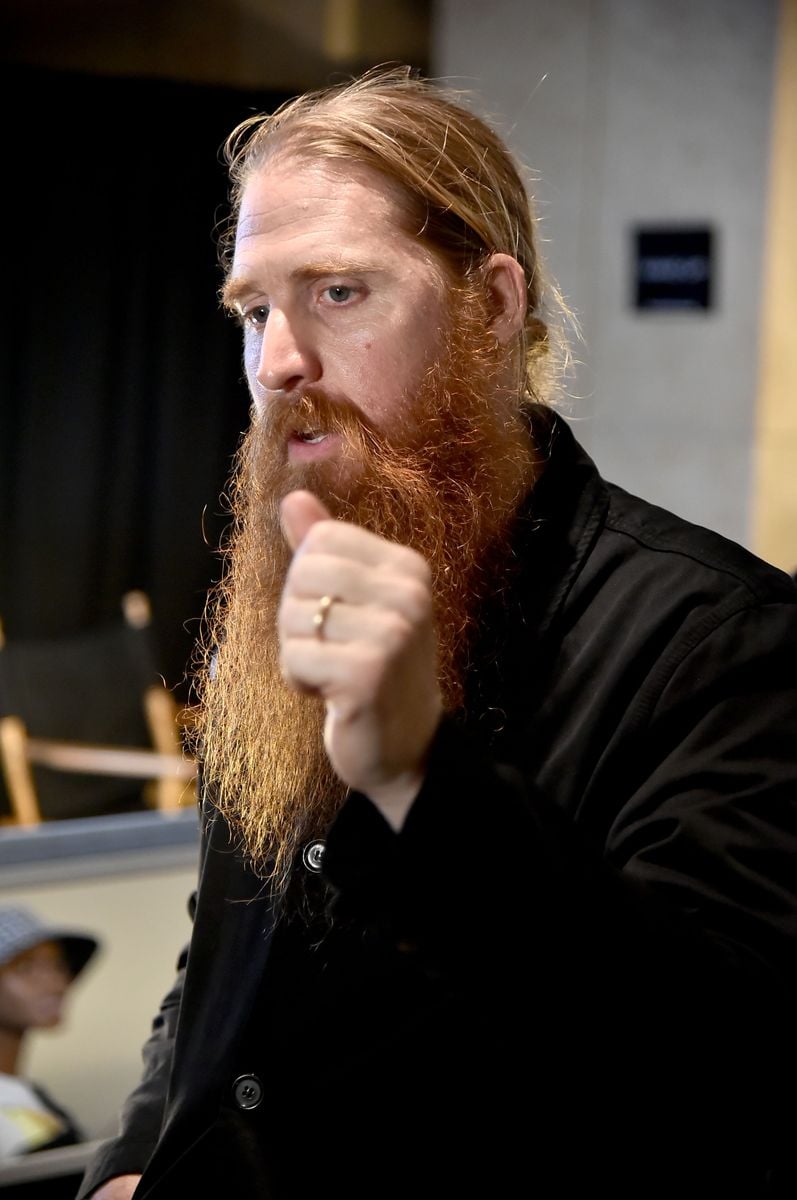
(463, 190)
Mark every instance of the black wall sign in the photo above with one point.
(673, 268)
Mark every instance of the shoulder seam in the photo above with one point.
(708, 562)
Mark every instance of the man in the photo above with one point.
(497, 893)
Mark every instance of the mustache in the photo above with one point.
(314, 410)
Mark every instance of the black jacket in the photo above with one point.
(592, 905)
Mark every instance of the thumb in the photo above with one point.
(299, 511)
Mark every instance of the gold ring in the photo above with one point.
(321, 614)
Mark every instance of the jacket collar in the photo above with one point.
(560, 523)
(554, 534)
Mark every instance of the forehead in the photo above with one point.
(291, 203)
(49, 952)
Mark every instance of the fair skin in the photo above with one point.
(332, 293)
(121, 1187)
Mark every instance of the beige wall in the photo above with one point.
(775, 505)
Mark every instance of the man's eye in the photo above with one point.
(257, 316)
(339, 293)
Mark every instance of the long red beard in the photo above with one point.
(447, 482)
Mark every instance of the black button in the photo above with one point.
(248, 1091)
(313, 856)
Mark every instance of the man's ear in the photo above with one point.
(505, 281)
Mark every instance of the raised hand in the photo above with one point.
(369, 650)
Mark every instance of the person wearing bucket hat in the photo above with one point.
(38, 963)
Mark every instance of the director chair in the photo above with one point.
(87, 727)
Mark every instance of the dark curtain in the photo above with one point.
(121, 400)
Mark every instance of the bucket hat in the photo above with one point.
(21, 929)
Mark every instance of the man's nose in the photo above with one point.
(288, 361)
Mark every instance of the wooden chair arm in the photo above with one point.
(109, 760)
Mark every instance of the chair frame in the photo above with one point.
(166, 764)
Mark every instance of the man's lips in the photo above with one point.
(309, 445)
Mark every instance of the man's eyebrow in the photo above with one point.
(233, 291)
(236, 288)
(335, 266)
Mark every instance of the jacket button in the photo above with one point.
(313, 855)
(247, 1091)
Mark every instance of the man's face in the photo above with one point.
(32, 988)
(333, 295)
